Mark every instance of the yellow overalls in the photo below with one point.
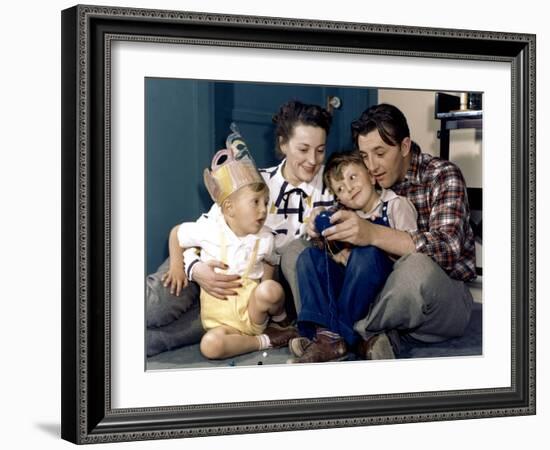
(232, 312)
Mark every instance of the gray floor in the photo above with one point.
(190, 357)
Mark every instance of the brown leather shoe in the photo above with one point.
(378, 346)
(298, 345)
(323, 349)
(280, 335)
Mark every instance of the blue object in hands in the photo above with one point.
(322, 221)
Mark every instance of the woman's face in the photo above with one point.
(305, 153)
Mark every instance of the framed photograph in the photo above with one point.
(148, 97)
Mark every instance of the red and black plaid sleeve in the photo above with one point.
(438, 191)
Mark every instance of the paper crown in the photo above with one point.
(232, 168)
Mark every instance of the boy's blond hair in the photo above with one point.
(255, 187)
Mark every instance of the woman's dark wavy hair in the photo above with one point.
(294, 113)
(387, 119)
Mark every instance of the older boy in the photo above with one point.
(334, 296)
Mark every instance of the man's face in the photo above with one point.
(388, 164)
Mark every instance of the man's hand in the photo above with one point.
(216, 284)
(349, 227)
(175, 279)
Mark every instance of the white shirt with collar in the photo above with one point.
(401, 212)
(289, 206)
(210, 232)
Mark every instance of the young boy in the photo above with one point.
(337, 291)
(233, 232)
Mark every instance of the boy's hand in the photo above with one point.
(216, 284)
(342, 256)
(310, 228)
(349, 227)
(176, 279)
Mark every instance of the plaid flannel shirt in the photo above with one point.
(437, 189)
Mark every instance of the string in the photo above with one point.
(332, 302)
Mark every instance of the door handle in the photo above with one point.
(333, 102)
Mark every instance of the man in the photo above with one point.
(425, 297)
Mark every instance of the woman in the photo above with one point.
(296, 188)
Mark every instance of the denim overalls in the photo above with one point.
(335, 296)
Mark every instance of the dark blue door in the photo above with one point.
(252, 105)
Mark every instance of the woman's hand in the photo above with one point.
(176, 279)
(349, 227)
(216, 284)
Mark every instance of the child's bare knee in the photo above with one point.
(269, 291)
(212, 345)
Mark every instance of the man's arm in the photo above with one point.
(448, 224)
(351, 228)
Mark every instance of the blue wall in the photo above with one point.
(187, 121)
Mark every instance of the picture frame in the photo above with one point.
(87, 413)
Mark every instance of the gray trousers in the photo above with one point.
(419, 299)
(172, 321)
(289, 256)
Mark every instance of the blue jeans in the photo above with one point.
(335, 296)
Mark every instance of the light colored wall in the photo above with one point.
(418, 107)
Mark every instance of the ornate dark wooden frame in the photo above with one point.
(87, 34)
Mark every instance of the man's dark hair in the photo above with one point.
(387, 119)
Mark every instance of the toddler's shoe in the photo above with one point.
(280, 333)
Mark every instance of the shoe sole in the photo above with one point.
(295, 360)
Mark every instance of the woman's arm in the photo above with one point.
(216, 284)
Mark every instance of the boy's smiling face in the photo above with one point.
(355, 189)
